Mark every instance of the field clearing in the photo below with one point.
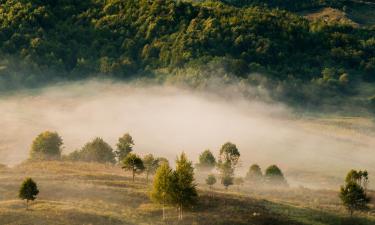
(88, 193)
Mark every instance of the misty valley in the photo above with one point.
(199, 112)
(103, 157)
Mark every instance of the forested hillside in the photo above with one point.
(42, 41)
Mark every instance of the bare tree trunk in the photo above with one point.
(133, 174)
(146, 177)
(163, 211)
(27, 204)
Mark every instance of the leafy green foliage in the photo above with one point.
(46, 146)
(207, 160)
(44, 41)
(150, 164)
(162, 186)
(353, 193)
(228, 160)
(254, 174)
(133, 163)
(28, 191)
(184, 193)
(96, 150)
(274, 176)
(211, 180)
(124, 146)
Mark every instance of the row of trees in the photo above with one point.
(48, 146)
(228, 161)
(177, 187)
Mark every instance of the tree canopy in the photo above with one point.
(133, 163)
(207, 160)
(28, 191)
(47, 145)
(96, 150)
(46, 41)
(124, 146)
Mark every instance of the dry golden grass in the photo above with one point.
(88, 193)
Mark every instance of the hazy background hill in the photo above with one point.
(306, 57)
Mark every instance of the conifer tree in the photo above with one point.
(28, 191)
(161, 191)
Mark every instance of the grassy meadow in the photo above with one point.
(89, 193)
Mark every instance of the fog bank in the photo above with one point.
(166, 120)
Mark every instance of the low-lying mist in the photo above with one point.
(166, 120)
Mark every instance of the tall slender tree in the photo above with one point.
(151, 164)
(184, 193)
(228, 160)
(162, 186)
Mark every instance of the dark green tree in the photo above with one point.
(28, 191)
(46, 146)
(207, 161)
(133, 163)
(96, 150)
(274, 176)
(254, 174)
(124, 146)
(184, 193)
(353, 193)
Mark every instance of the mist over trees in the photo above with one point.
(354, 193)
(96, 150)
(207, 161)
(228, 160)
(46, 146)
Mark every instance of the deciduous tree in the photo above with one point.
(133, 163)
(46, 146)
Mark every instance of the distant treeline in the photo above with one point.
(43, 41)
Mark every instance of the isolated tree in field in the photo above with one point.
(211, 180)
(254, 174)
(184, 193)
(133, 163)
(228, 160)
(353, 193)
(46, 146)
(151, 164)
(274, 176)
(207, 161)
(28, 191)
(96, 150)
(124, 146)
(162, 186)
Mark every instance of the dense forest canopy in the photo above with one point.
(42, 41)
